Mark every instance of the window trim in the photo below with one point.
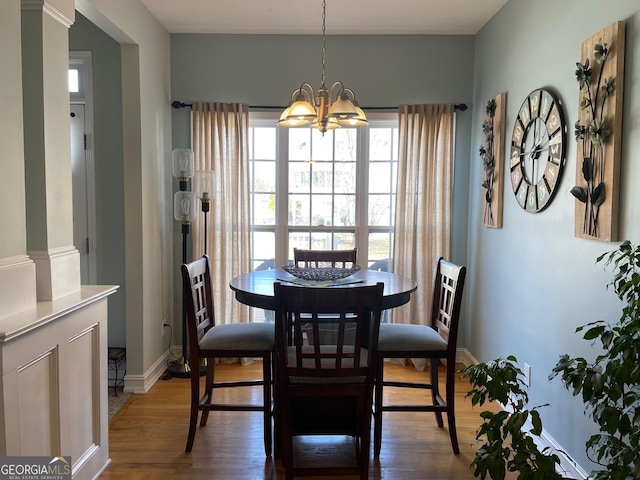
(282, 229)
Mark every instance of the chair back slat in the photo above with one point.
(325, 258)
(198, 297)
(327, 332)
(447, 298)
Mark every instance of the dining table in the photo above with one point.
(256, 288)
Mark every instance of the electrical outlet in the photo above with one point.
(526, 370)
(164, 326)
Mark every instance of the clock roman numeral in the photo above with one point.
(534, 102)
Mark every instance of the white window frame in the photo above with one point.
(282, 229)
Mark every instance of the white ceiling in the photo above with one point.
(305, 16)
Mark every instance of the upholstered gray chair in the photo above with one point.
(435, 341)
(208, 341)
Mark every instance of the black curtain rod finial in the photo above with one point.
(460, 107)
(178, 104)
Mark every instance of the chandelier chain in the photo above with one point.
(324, 46)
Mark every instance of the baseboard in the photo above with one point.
(464, 357)
(143, 383)
(569, 468)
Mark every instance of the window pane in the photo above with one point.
(265, 143)
(394, 149)
(380, 210)
(346, 144)
(345, 210)
(322, 146)
(299, 209)
(380, 144)
(298, 240)
(74, 85)
(264, 250)
(322, 177)
(321, 210)
(321, 241)
(380, 177)
(299, 174)
(345, 240)
(264, 176)
(379, 249)
(345, 179)
(264, 209)
(299, 144)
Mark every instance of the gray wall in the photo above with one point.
(531, 283)
(109, 167)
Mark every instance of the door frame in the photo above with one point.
(82, 61)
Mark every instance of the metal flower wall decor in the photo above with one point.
(488, 161)
(492, 156)
(600, 79)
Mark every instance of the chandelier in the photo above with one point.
(332, 107)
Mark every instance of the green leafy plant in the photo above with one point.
(488, 159)
(507, 446)
(610, 385)
(593, 136)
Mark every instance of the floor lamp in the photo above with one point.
(184, 211)
(204, 187)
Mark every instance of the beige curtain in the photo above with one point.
(423, 202)
(220, 143)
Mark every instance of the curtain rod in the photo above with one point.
(457, 107)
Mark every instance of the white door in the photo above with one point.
(84, 204)
(79, 171)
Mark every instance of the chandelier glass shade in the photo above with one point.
(331, 108)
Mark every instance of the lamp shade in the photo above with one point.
(287, 121)
(204, 184)
(184, 206)
(342, 108)
(301, 110)
(358, 121)
(182, 163)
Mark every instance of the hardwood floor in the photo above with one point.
(147, 438)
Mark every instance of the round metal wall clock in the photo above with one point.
(537, 150)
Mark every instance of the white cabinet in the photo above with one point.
(54, 381)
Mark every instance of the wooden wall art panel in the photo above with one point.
(492, 155)
(600, 76)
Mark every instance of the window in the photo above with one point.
(74, 83)
(324, 192)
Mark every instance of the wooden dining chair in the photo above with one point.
(325, 258)
(208, 341)
(435, 341)
(324, 389)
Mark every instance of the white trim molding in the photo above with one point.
(143, 383)
(47, 6)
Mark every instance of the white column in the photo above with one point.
(17, 271)
(47, 150)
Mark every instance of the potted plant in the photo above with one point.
(610, 385)
(509, 445)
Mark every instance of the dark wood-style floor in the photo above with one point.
(147, 438)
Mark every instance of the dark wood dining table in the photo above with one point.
(256, 288)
